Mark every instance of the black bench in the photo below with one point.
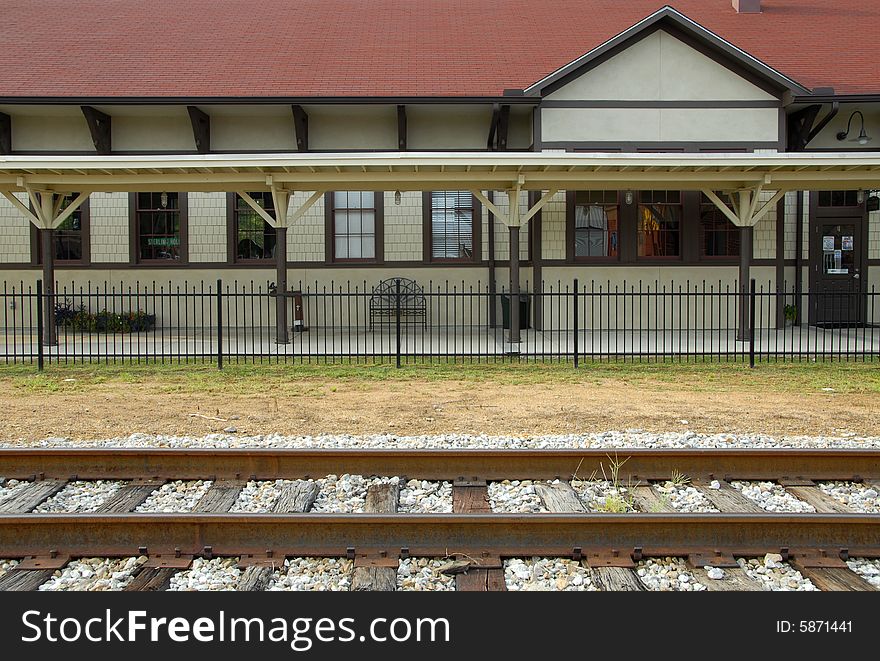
(384, 303)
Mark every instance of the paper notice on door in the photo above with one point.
(847, 242)
(827, 243)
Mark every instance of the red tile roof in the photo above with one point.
(217, 48)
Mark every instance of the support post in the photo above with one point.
(40, 325)
(752, 324)
(514, 285)
(219, 324)
(50, 337)
(745, 261)
(281, 332)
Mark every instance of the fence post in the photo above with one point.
(575, 323)
(397, 317)
(752, 324)
(40, 325)
(219, 324)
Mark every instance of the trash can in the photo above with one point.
(525, 311)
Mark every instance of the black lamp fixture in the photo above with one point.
(863, 138)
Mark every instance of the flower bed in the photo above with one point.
(80, 319)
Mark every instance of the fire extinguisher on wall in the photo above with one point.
(299, 325)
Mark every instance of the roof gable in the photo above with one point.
(685, 30)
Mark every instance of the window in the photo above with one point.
(718, 236)
(596, 216)
(659, 223)
(838, 198)
(253, 239)
(354, 220)
(71, 238)
(452, 225)
(159, 227)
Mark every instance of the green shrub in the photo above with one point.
(80, 319)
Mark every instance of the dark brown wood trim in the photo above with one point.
(201, 128)
(476, 228)
(401, 127)
(133, 260)
(780, 261)
(99, 128)
(5, 134)
(300, 127)
(85, 224)
(503, 127)
(330, 233)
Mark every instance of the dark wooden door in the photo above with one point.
(837, 271)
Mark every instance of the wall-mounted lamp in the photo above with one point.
(860, 196)
(863, 138)
(397, 197)
(628, 197)
(163, 200)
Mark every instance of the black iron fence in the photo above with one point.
(403, 322)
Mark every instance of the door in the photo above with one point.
(837, 271)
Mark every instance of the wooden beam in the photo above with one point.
(401, 128)
(201, 126)
(301, 127)
(503, 126)
(493, 127)
(5, 133)
(99, 127)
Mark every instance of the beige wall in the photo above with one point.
(652, 70)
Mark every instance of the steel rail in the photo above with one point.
(438, 464)
(277, 536)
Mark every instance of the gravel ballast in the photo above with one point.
(515, 497)
(177, 496)
(667, 575)
(423, 575)
(775, 574)
(633, 438)
(80, 496)
(94, 575)
(207, 576)
(684, 498)
(305, 574)
(604, 496)
(867, 568)
(772, 497)
(547, 575)
(858, 497)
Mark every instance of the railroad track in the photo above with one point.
(472, 539)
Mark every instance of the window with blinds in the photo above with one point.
(596, 216)
(452, 225)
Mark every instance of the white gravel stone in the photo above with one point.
(80, 496)
(667, 575)
(7, 565)
(428, 497)
(313, 575)
(858, 497)
(8, 488)
(630, 438)
(515, 496)
(94, 575)
(422, 575)
(604, 496)
(867, 568)
(346, 493)
(772, 497)
(685, 498)
(547, 575)
(177, 496)
(207, 575)
(259, 497)
(775, 574)
(715, 573)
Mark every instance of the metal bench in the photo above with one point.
(384, 303)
